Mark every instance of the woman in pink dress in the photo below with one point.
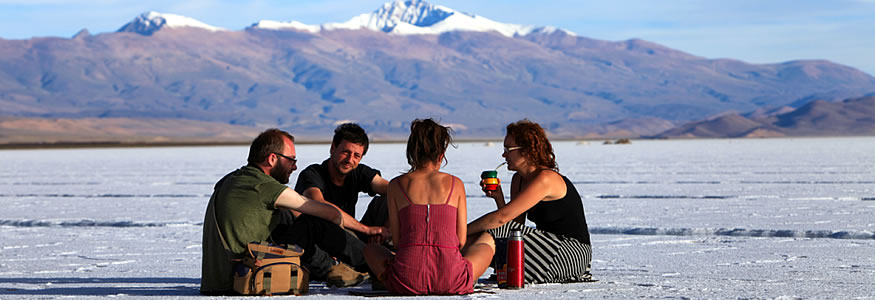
(428, 221)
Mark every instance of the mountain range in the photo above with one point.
(405, 60)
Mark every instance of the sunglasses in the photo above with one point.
(506, 149)
(292, 159)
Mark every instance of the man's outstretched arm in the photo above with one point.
(289, 199)
(349, 222)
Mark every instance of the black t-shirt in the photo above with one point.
(562, 216)
(346, 196)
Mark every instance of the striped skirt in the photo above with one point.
(550, 258)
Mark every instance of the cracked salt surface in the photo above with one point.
(770, 218)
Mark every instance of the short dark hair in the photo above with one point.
(533, 140)
(350, 132)
(267, 142)
(427, 142)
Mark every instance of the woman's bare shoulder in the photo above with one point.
(455, 180)
(553, 181)
(399, 181)
(548, 175)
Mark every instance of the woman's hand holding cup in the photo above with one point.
(489, 183)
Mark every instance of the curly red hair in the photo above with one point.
(533, 140)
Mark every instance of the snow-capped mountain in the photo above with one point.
(381, 75)
(150, 22)
(405, 17)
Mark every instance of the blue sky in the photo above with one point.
(756, 31)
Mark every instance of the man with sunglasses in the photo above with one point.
(253, 203)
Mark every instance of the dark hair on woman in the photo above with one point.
(533, 140)
(267, 142)
(427, 142)
(351, 132)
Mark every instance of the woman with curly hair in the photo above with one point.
(558, 249)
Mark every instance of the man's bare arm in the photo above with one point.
(289, 199)
(379, 185)
(348, 221)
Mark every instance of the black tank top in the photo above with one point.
(562, 216)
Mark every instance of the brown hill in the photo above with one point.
(817, 118)
(730, 125)
(626, 128)
(120, 130)
(848, 117)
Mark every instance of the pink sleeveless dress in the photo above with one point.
(428, 259)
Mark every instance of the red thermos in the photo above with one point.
(515, 261)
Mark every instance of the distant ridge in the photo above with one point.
(405, 60)
(817, 118)
(104, 131)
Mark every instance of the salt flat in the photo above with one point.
(783, 218)
(164, 262)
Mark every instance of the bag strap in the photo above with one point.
(212, 206)
(219, 231)
(261, 254)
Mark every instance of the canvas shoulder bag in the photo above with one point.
(267, 269)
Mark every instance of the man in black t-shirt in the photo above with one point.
(339, 179)
(318, 182)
